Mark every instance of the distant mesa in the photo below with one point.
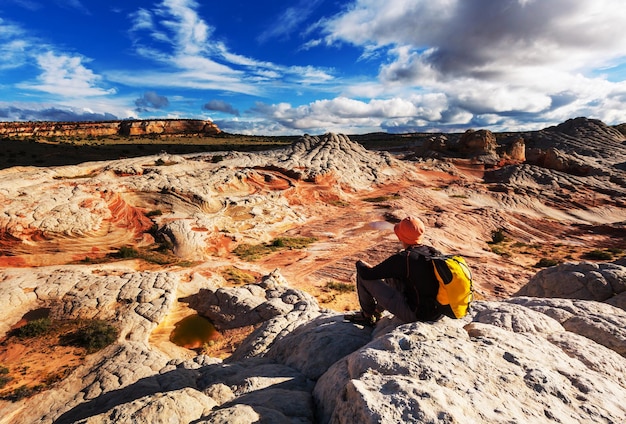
(109, 128)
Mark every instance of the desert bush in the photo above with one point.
(127, 252)
(92, 336)
(379, 199)
(237, 276)
(33, 328)
(156, 212)
(598, 255)
(546, 263)
(497, 236)
(252, 252)
(340, 287)
(4, 376)
(21, 393)
(293, 242)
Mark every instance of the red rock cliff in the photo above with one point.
(108, 128)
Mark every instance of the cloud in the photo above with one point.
(347, 115)
(151, 100)
(73, 4)
(493, 60)
(220, 106)
(176, 37)
(13, 42)
(487, 37)
(51, 113)
(290, 20)
(66, 76)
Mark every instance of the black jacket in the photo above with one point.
(414, 270)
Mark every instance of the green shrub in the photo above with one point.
(127, 252)
(546, 263)
(599, 255)
(501, 251)
(253, 252)
(379, 199)
(92, 336)
(21, 393)
(237, 276)
(4, 377)
(33, 328)
(279, 242)
(293, 242)
(497, 236)
(340, 287)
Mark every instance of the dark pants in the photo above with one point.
(386, 295)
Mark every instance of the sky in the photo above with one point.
(315, 66)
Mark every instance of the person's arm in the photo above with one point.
(392, 267)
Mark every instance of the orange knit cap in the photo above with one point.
(410, 230)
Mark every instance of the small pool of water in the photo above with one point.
(193, 332)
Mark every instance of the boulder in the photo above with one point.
(585, 280)
(478, 143)
(234, 307)
(498, 370)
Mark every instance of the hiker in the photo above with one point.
(403, 284)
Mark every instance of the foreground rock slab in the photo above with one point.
(526, 360)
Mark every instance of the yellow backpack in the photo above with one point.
(455, 283)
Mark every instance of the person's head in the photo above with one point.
(410, 231)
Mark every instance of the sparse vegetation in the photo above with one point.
(252, 252)
(546, 263)
(380, 199)
(91, 336)
(598, 255)
(500, 250)
(33, 328)
(497, 236)
(127, 252)
(26, 376)
(340, 287)
(4, 376)
(237, 276)
(22, 392)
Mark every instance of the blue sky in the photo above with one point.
(312, 66)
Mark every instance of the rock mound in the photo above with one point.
(604, 282)
(589, 129)
(335, 156)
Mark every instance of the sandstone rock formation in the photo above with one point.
(108, 128)
(588, 281)
(481, 142)
(526, 358)
(531, 357)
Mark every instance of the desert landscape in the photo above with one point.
(135, 233)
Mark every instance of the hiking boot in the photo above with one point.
(360, 317)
